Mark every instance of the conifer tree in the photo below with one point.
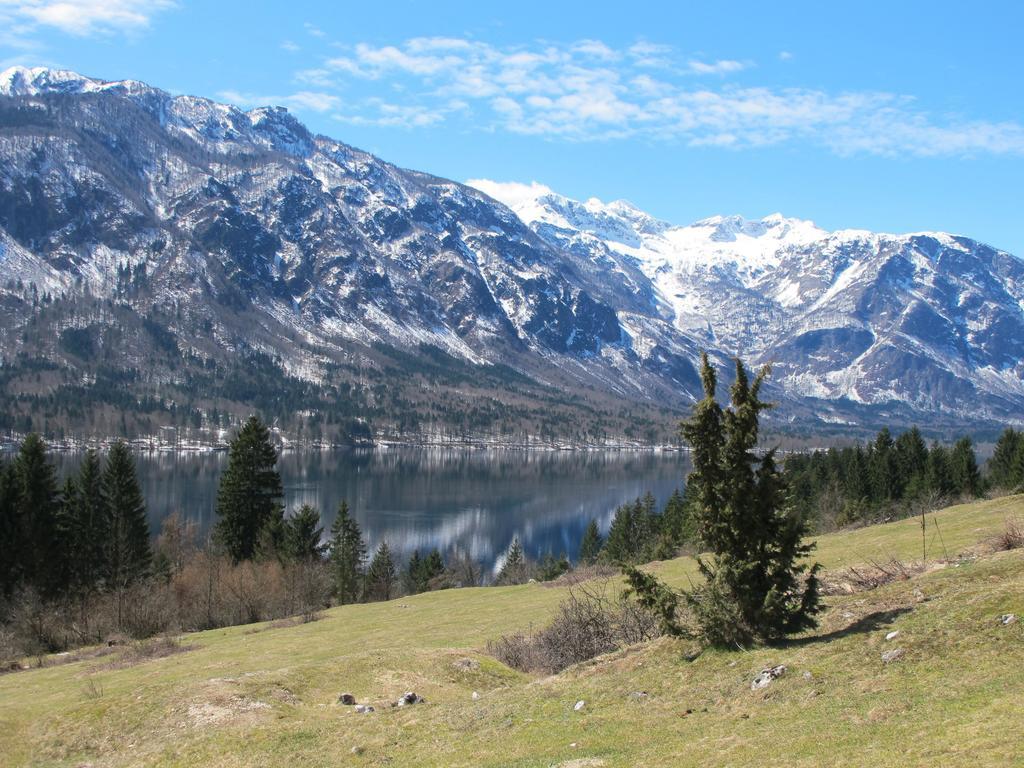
(514, 569)
(36, 512)
(963, 468)
(1004, 466)
(303, 536)
(675, 525)
(11, 541)
(590, 545)
(347, 556)
(250, 493)
(413, 574)
(88, 523)
(128, 552)
(755, 586)
(381, 575)
(940, 479)
(912, 462)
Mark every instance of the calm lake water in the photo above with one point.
(472, 500)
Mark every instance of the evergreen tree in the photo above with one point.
(36, 512)
(433, 567)
(591, 544)
(552, 567)
(347, 556)
(303, 536)
(514, 569)
(11, 540)
(128, 555)
(940, 479)
(250, 492)
(421, 571)
(963, 467)
(88, 524)
(675, 523)
(1004, 466)
(412, 576)
(912, 462)
(381, 575)
(755, 587)
(882, 477)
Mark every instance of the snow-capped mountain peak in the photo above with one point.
(325, 249)
(34, 81)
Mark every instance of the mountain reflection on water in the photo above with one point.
(475, 501)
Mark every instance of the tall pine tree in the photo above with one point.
(36, 517)
(381, 576)
(303, 536)
(128, 549)
(11, 541)
(250, 492)
(756, 587)
(590, 546)
(347, 556)
(89, 524)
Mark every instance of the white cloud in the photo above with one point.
(302, 101)
(721, 67)
(82, 17)
(290, 46)
(588, 90)
(314, 30)
(785, 56)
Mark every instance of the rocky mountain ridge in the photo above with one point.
(190, 260)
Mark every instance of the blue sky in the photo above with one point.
(892, 116)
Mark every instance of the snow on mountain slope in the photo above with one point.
(217, 230)
(927, 319)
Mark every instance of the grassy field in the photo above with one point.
(259, 695)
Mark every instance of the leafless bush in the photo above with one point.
(587, 624)
(145, 650)
(868, 577)
(1011, 537)
(581, 574)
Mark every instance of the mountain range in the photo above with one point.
(170, 261)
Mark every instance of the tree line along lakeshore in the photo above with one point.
(76, 556)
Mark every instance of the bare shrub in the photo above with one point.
(581, 574)
(588, 623)
(1011, 537)
(868, 577)
(145, 650)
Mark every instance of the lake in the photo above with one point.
(475, 501)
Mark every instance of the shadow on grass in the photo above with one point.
(870, 623)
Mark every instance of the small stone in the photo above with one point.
(410, 697)
(639, 695)
(919, 596)
(364, 709)
(765, 677)
(573, 745)
(894, 655)
(579, 705)
(357, 750)
(347, 699)
(893, 635)
(808, 676)
(476, 696)
(1007, 618)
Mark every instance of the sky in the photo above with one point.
(890, 116)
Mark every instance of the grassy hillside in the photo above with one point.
(261, 695)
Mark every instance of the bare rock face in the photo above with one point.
(224, 237)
